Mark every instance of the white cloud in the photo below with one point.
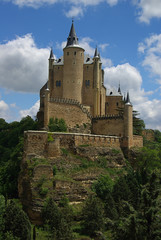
(77, 7)
(74, 12)
(127, 75)
(85, 43)
(130, 79)
(148, 9)
(23, 66)
(31, 111)
(150, 111)
(151, 51)
(103, 46)
(4, 110)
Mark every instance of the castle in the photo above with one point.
(75, 91)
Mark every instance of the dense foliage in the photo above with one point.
(11, 147)
(14, 223)
(58, 220)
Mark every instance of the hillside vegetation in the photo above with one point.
(122, 203)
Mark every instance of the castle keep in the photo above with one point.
(75, 91)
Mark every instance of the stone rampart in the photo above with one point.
(38, 143)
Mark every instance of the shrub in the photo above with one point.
(57, 125)
(54, 170)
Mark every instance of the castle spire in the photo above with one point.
(128, 99)
(72, 38)
(119, 89)
(51, 54)
(96, 54)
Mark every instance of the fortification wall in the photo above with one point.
(137, 141)
(71, 111)
(36, 142)
(108, 125)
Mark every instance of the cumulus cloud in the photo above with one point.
(148, 9)
(131, 80)
(4, 110)
(151, 52)
(31, 111)
(76, 7)
(127, 75)
(150, 111)
(74, 12)
(23, 66)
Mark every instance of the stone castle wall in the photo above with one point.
(71, 111)
(37, 143)
(108, 125)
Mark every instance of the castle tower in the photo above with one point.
(73, 67)
(128, 124)
(96, 60)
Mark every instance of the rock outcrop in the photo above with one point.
(51, 169)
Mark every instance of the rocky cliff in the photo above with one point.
(54, 167)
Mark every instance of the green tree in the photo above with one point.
(59, 225)
(11, 147)
(138, 124)
(16, 222)
(103, 186)
(93, 216)
(157, 136)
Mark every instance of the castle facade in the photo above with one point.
(75, 91)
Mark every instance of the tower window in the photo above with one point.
(67, 53)
(87, 83)
(117, 104)
(58, 83)
(75, 53)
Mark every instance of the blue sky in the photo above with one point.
(127, 33)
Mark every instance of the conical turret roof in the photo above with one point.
(51, 54)
(128, 99)
(96, 54)
(72, 38)
(119, 89)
